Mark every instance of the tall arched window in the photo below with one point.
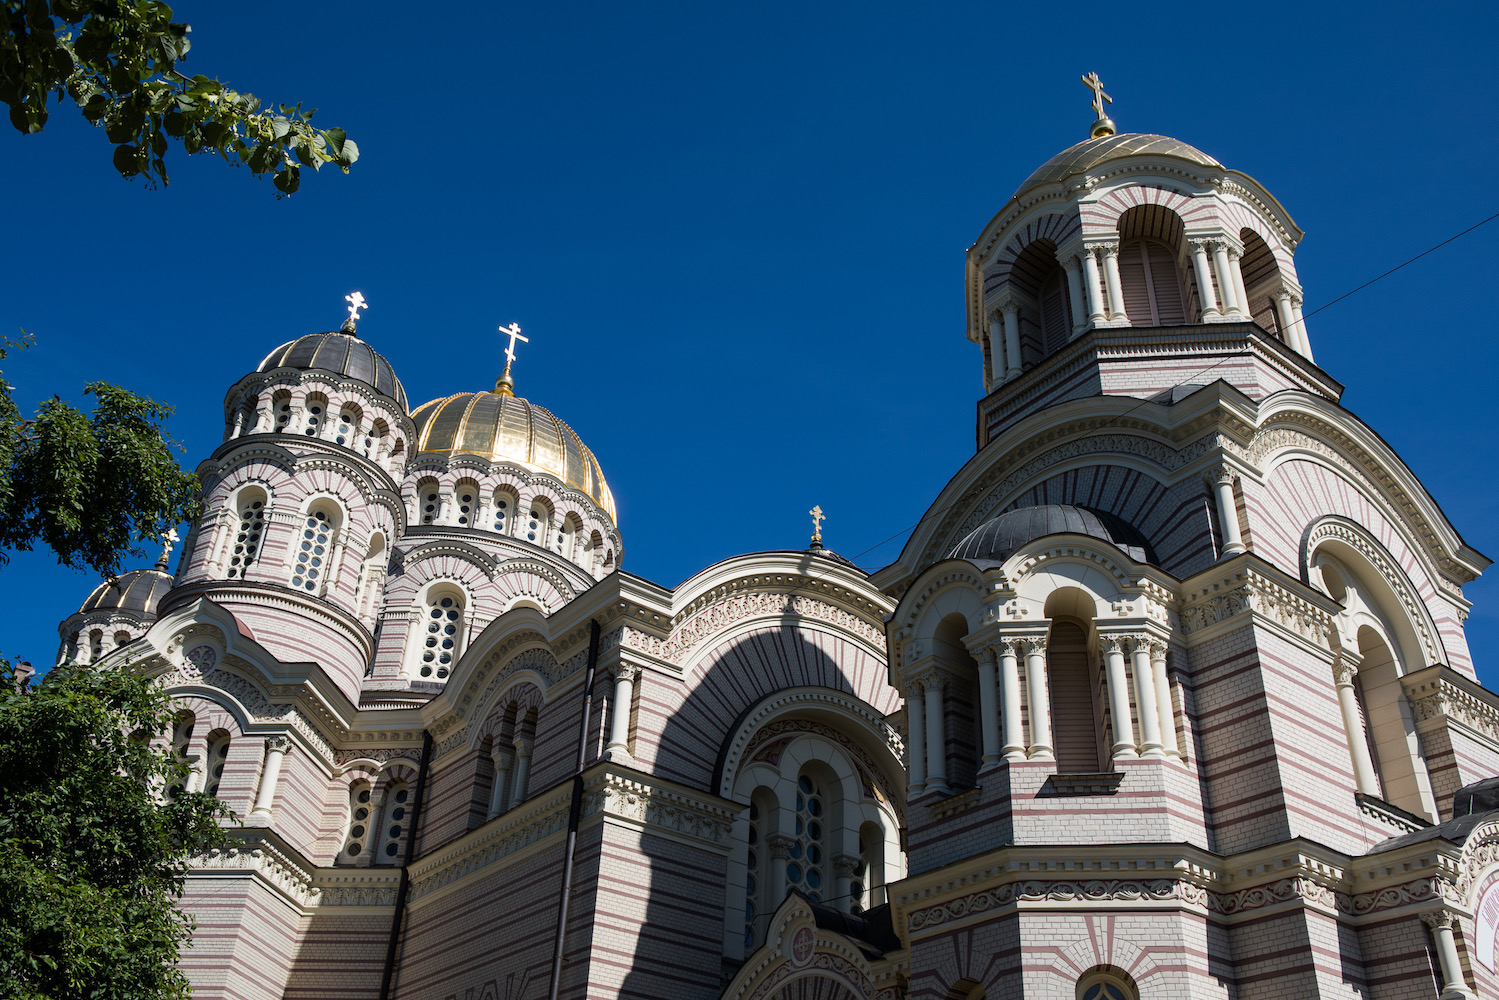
(96, 643)
(758, 901)
(374, 438)
(371, 576)
(348, 425)
(1150, 275)
(1046, 319)
(182, 736)
(394, 823)
(538, 521)
(428, 502)
(216, 757)
(314, 414)
(313, 551)
(1110, 985)
(807, 869)
(1075, 728)
(441, 637)
(466, 502)
(1262, 281)
(504, 511)
(281, 406)
(357, 836)
(251, 504)
(567, 535)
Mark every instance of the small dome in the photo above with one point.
(1091, 152)
(996, 540)
(504, 428)
(343, 353)
(138, 590)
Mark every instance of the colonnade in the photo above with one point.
(1011, 731)
(1096, 293)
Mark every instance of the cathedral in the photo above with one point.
(1167, 696)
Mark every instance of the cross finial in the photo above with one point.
(817, 518)
(169, 538)
(505, 385)
(356, 302)
(1104, 125)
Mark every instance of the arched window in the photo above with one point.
(567, 535)
(441, 637)
(182, 737)
(1046, 319)
(96, 643)
(348, 425)
(1150, 275)
(428, 502)
(251, 506)
(357, 837)
(1108, 985)
(1262, 281)
(808, 868)
(466, 497)
(538, 521)
(393, 823)
(375, 437)
(1075, 727)
(312, 553)
(314, 414)
(216, 757)
(504, 510)
(371, 576)
(281, 406)
(758, 903)
(867, 889)
(121, 638)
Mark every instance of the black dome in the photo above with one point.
(343, 353)
(138, 590)
(996, 540)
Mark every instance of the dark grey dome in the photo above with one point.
(139, 591)
(996, 540)
(343, 353)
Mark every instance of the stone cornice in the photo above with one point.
(1228, 595)
(1439, 695)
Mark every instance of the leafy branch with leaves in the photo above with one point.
(117, 61)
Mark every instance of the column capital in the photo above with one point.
(1114, 642)
(523, 746)
(1222, 475)
(1441, 917)
(279, 744)
(780, 845)
(1158, 647)
(1108, 248)
(1203, 243)
(1029, 644)
(1345, 666)
(625, 670)
(846, 865)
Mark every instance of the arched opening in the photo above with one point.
(1155, 286)
(867, 889)
(357, 837)
(371, 576)
(538, 521)
(374, 440)
(214, 761)
(428, 502)
(759, 901)
(250, 504)
(439, 640)
(315, 414)
(312, 560)
(959, 702)
(281, 407)
(1075, 727)
(504, 511)
(1262, 281)
(393, 825)
(347, 430)
(1046, 319)
(465, 503)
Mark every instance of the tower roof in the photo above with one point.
(139, 590)
(500, 427)
(998, 538)
(1091, 152)
(342, 353)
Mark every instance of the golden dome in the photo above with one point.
(504, 428)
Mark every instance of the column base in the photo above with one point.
(1229, 551)
(1124, 753)
(1041, 753)
(1013, 754)
(618, 753)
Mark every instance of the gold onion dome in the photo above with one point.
(138, 590)
(342, 353)
(1091, 152)
(501, 427)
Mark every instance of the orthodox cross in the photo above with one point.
(170, 538)
(513, 330)
(356, 302)
(1093, 83)
(817, 518)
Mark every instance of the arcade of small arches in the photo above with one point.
(1091, 680)
(339, 415)
(1149, 269)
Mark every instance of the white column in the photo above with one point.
(1009, 679)
(1012, 339)
(1228, 513)
(780, 853)
(1454, 986)
(1038, 699)
(522, 771)
(270, 774)
(1290, 331)
(916, 742)
(1124, 730)
(619, 720)
(1150, 716)
(1235, 268)
(997, 366)
(844, 867)
(936, 734)
(1296, 317)
(1225, 278)
(501, 761)
(1111, 281)
(1090, 288)
(1163, 697)
(1208, 300)
(1075, 293)
(1343, 671)
(988, 710)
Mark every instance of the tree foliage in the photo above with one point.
(92, 860)
(89, 486)
(117, 61)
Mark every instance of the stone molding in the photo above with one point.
(357, 886)
(1440, 695)
(636, 798)
(730, 611)
(1357, 538)
(264, 855)
(1247, 591)
(789, 729)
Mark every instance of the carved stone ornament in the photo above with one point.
(199, 660)
(780, 845)
(1439, 918)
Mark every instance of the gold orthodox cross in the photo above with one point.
(817, 518)
(356, 302)
(513, 330)
(1093, 83)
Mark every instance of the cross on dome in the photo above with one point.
(505, 385)
(169, 538)
(356, 302)
(817, 518)
(1104, 125)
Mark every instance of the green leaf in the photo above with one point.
(128, 160)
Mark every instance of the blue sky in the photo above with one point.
(735, 235)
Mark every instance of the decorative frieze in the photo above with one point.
(725, 614)
(1248, 591)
